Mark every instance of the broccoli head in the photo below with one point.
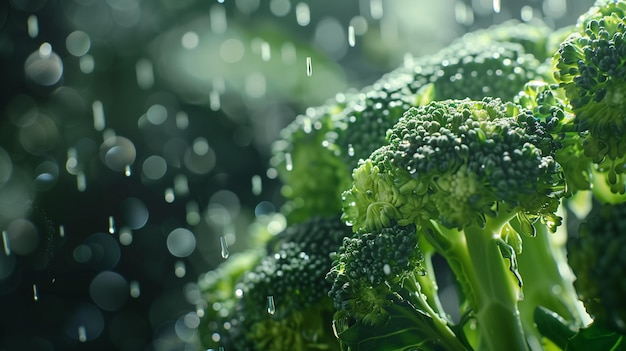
(589, 65)
(460, 170)
(329, 141)
(596, 254)
(282, 302)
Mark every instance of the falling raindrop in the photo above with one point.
(145, 74)
(224, 246)
(33, 26)
(303, 14)
(179, 269)
(169, 195)
(214, 100)
(376, 9)
(81, 181)
(266, 53)
(351, 36)
(111, 225)
(135, 290)
(128, 171)
(350, 150)
(288, 162)
(35, 293)
(271, 306)
(62, 231)
(82, 333)
(257, 185)
(309, 67)
(98, 115)
(217, 18)
(496, 6)
(5, 242)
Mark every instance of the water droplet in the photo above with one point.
(128, 171)
(303, 14)
(496, 6)
(111, 225)
(169, 195)
(224, 246)
(33, 26)
(180, 269)
(257, 185)
(350, 150)
(214, 100)
(5, 242)
(98, 115)
(288, 162)
(145, 74)
(387, 269)
(82, 333)
(351, 36)
(376, 9)
(135, 290)
(87, 64)
(217, 17)
(309, 67)
(81, 181)
(126, 236)
(271, 306)
(266, 53)
(62, 231)
(35, 293)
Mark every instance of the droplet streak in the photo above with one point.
(271, 306)
(224, 247)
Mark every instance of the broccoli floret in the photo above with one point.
(596, 254)
(375, 273)
(282, 302)
(460, 170)
(328, 141)
(589, 65)
(218, 287)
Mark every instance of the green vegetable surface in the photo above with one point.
(464, 173)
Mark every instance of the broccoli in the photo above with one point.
(589, 66)
(330, 140)
(461, 170)
(282, 302)
(596, 255)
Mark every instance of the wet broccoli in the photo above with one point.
(589, 66)
(461, 170)
(282, 302)
(327, 142)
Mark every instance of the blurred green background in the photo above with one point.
(135, 137)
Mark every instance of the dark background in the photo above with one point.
(220, 102)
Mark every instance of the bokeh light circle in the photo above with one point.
(100, 251)
(134, 213)
(23, 236)
(39, 134)
(44, 67)
(154, 167)
(78, 43)
(117, 153)
(87, 322)
(181, 242)
(109, 290)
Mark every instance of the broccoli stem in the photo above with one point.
(428, 281)
(474, 257)
(550, 283)
(444, 336)
(497, 315)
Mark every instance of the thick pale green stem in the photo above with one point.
(497, 315)
(548, 283)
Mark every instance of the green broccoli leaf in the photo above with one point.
(407, 329)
